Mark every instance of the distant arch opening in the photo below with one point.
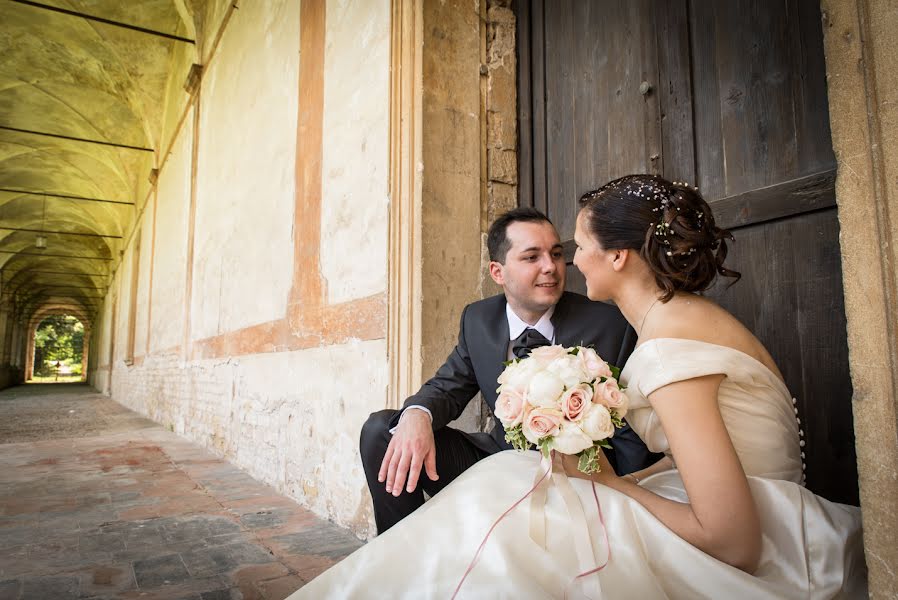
(59, 350)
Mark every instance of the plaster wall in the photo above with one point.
(244, 183)
(251, 384)
(170, 258)
(145, 261)
(355, 157)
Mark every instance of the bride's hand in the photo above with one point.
(606, 475)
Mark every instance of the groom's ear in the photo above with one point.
(496, 272)
(619, 259)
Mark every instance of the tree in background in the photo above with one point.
(58, 338)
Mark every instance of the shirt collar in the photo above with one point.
(516, 326)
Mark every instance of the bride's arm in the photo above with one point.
(721, 518)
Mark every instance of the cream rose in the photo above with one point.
(576, 401)
(545, 389)
(592, 364)
(570, 439)
(597, 423)
(541, 423)
(510, 406)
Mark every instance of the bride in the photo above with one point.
(723, 515)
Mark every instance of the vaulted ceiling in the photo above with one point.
(88, 93)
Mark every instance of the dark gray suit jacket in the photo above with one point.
(482, 348)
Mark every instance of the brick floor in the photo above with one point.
(97, 502)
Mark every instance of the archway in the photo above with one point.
(58, 345)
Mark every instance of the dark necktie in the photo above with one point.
(527, 341)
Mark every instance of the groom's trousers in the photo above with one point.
(455, 453)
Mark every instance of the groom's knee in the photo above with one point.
(375, 436)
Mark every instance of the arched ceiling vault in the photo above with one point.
(84, 89)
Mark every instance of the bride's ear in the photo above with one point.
(619, 259)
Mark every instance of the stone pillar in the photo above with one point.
(861, 55)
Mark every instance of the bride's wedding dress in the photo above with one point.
(811, 547)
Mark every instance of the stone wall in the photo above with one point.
(259, 325)
(861, 54)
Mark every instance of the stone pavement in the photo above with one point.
(97, 502)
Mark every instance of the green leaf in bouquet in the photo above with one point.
(615, 418)
(515, 437)
(615, 371)
(574, 351)
(589, 460)
(605, 444)
(545, 446)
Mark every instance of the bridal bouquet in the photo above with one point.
(564, 399)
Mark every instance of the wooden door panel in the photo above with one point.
(759, 96)
(738, 107)
(597, 125)
(785, 297)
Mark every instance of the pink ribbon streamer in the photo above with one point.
(515, 505)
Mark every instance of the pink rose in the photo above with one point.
(608, 394)
(541, 423)
(510, 406)
(575, 402)
(592, 364)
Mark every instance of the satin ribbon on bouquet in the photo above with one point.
(548, 474)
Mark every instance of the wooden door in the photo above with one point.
(731, 97)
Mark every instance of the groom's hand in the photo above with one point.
(411, 447)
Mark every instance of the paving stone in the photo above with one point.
(57, 587)
(10, 589)
(322, 539)
(162, 570)
(278, 589)
(265, 519)
(200, 526)
(107, 579)
(221, 559)
(229, 594)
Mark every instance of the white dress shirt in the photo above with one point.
(516, 327)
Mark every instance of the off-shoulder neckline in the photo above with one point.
(764, 367)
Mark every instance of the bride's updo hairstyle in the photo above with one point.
(670, 224)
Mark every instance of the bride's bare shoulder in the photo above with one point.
(698, 318)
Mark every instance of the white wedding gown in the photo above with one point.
(811, 547)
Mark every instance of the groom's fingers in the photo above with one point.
(385, 464)
(430, 464)
(401, 472)
(414, 472)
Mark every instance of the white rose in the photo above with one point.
(547, 354)
(571, 439)
(568, 369)
(593, 364)
(597, 423)
(520, 373)
(545, 389)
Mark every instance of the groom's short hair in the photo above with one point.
(497, 239)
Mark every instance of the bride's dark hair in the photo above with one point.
(670, 224)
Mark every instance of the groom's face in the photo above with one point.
(533, 272)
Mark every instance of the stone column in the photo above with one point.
(861, 57)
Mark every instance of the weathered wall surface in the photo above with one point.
(269, 345)
(861, 54)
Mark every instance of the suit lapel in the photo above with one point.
(559, 317)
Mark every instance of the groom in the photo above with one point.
(527, 260)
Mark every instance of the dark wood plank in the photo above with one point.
(790, 297)
(538, 99)
(810, 193)
(525, 102)
(709, 160)
(677, 160)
